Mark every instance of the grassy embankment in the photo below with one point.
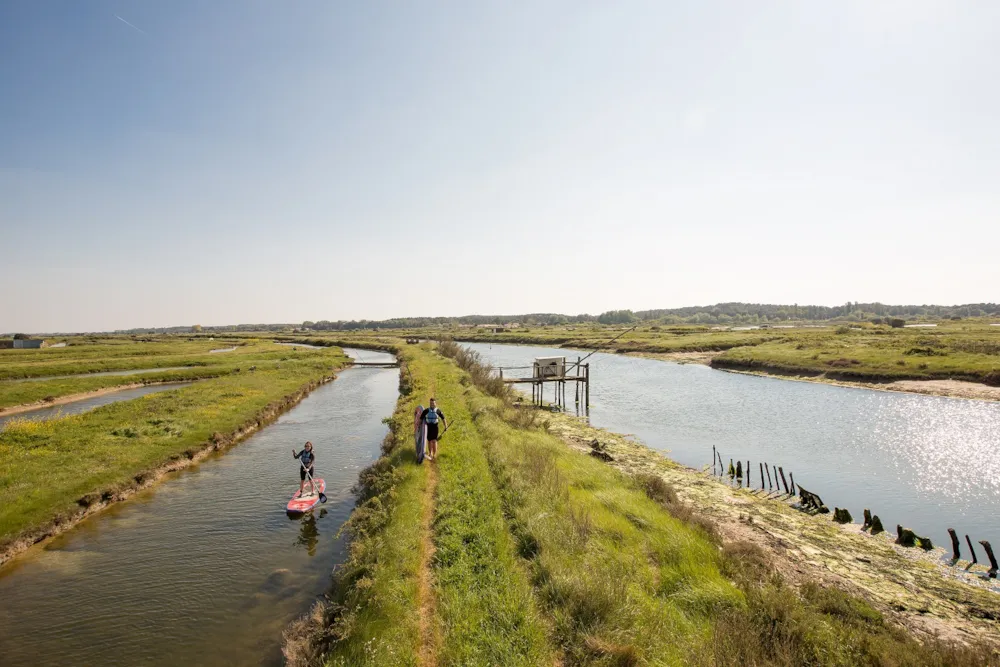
(964, 350)
(51, 471)
(79, 359)
(543, 555)
(970, 353)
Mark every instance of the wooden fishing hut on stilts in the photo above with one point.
(555, 371)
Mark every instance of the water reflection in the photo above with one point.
(308, 529)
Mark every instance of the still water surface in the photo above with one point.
(83, 405)
(925, 462)
(205, 568)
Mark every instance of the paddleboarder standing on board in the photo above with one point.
(432, 416)
(307, 458)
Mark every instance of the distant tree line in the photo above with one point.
(721, 313)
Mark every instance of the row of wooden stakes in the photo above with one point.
(812, 502)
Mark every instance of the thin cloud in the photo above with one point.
(130, 25)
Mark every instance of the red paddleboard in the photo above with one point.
(307, 500)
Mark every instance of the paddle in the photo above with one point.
(322, 496)
(309, 477)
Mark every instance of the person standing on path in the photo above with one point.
(432, 416)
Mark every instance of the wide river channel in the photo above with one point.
(204, 568)
(925, 462)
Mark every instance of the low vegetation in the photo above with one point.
(960, 352)
(50, 471)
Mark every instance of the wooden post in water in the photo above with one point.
(792, 477)
(783, 481)
(722, 468)
(713, 460)
(578, 360)
(587, 383)
(761, 476)
(777, 484)
(955, 553)
(768, 469)
(973, 551)
(993, 559)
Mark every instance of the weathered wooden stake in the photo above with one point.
(722, 468)
(769, 485)
(792, 477)
(713, 460)
(776, 485)
(956, 554)
(748, 473)
(761, 476)
(993, 559)
(974, 559)
(783, 480)
(739, 472)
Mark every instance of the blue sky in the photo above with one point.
(242, 161)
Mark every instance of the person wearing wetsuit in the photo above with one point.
(432, 416)
(307, 458)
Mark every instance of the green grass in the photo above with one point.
(15, 392)
(165, 352)
(485, 610)
(880, 354)
(46, 468)
(485, 602)
(620, 577)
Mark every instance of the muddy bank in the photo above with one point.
(98, 500)
(918, 589)
(704, 358)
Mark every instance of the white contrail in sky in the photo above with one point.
(130, 25)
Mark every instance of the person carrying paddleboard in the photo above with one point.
(307, 458)
(432, 416)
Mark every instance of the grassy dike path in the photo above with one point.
(53, 473)
(516, 548)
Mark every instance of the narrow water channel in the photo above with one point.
(138, 371)
(205, 568)
(83, 405)
(925, 462)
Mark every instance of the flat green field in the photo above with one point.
(48, 470)
(23, 372)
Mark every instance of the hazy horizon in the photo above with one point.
(500, 317)
(163, 164)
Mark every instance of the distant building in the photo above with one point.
(28, 343)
